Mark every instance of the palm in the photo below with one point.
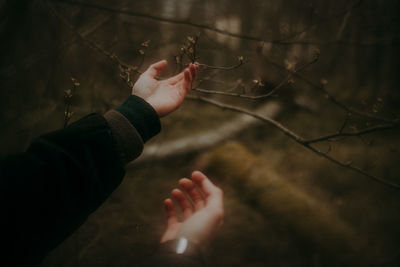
(200, 226)
(167, 95)
(201, 219)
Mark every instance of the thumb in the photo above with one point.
(157, 68)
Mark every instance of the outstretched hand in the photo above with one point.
(166, 95)
(200, 220)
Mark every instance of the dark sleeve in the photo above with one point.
(48, 191)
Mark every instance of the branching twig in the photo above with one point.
(336, 101)
(192, 55)
(126, 68)
(348, 134)
(205, 66)
(282, 128)
(201, 90)
(344, 123)
(282, 41)
(300, 140)
(92, 44)
(68, 94)
(273, 90)
(190, 50)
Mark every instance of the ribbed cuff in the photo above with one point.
(128, 140)
(142, 116)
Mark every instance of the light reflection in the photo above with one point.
(182, 245)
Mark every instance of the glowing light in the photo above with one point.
(182, 245)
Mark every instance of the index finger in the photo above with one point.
(214, 195)
(205, 184)
(173, 80)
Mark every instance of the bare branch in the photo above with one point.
(334, 100)
(206, 91)
(189, 49)
(297, 138)
(176, 21)
(300, 140)
(276, 124)
(282, 41)
(344, 123)
(205, 66)
(273, 90)
(127, 68)
(358, 133)
(68, 94)
(353, 168)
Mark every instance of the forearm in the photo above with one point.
(51, 188)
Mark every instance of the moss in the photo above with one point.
(281, 202)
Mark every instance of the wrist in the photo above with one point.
(181, 246)
(152, 105)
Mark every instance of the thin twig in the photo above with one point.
(344, 123)
(68, 95)
(94, 46)
(282, 41)
(300, 140)
(334, 100)
(278, 125)
(190, 50)
(91, 43)
(348, 134)
(205, 66)
(270, 93)
(201, 90)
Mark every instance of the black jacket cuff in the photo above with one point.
(128, 140)
(142, 116)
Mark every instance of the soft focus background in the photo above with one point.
(285, 205)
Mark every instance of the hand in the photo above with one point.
(200, 220)
(167, 95)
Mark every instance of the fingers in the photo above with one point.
(156, 68)
(201, 191)
(187, 209)
(173, 80)
(189, 76)
(193, 192)
(193, 70)
(172, 218)
(204, 183)
(214, 195)
(187, 83)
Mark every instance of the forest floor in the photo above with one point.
(285, 206)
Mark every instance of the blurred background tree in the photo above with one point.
(319, 73)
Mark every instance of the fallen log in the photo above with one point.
(207, 139)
